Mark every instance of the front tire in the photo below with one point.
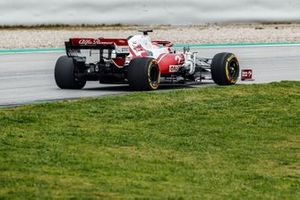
(143, 74)
(225, 69)
(64, 74)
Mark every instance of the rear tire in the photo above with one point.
(225, 69)
(143, 74)
(64, 74)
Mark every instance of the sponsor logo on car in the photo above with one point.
(174, 68)
(86, 42)
(122, 49)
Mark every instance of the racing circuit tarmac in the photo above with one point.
(28, 77)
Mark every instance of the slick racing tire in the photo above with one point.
(64, 73)
(143, 74)
(225, 69)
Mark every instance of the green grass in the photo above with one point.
(240, 142)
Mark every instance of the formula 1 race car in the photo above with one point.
(142, 63)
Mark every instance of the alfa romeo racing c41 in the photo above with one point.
(140, 62)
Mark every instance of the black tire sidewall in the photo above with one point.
(139, 74)
(64, 74)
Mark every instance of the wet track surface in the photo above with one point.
(27, 78)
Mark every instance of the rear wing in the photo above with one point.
(120, 46)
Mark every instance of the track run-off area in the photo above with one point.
(27, 75)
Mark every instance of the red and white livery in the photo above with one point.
(140, 62)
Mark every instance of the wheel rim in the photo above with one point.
(154, 75)
(233, 69)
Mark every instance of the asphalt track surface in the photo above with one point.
(28, 77)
